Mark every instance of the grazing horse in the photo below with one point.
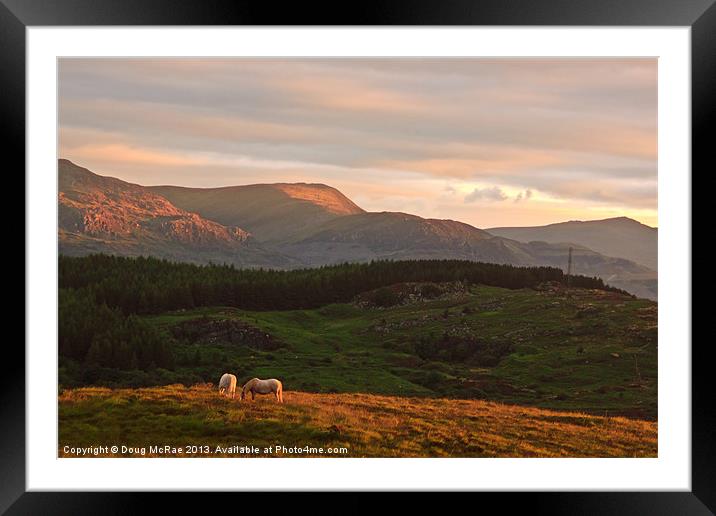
(256, 386)
(227, 385)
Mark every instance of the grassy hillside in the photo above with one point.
(592, 351)
(271, 212)
(365, 425)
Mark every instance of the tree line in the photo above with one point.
(101, 336)
(149, 285)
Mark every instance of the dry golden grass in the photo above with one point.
(368, 425)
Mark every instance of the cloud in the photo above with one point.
(526, 195)
(579, 131)
(486, 194)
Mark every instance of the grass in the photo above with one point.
(592, 351)
(366, 425)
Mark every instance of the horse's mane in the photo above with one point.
(250, 382)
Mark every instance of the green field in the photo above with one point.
(590, 350)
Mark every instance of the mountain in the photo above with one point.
(271, 212)
(287, 226)
(318, 225)
(104, 214)
(389, 235)
(622, 237)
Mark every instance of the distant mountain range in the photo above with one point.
(621, 236)
(300, 225)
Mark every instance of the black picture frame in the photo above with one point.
(699, 15)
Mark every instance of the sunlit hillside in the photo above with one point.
(366, 425)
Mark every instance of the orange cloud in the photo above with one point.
(121, 153)
(171, 119)
(465, 168)
(353, 95)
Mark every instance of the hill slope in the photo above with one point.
(591, 350)
(104, 214)
(621, 237)
(401, 236)
(364, 425)
(272, 212)
(389, 235)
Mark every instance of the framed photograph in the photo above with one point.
(444, 249)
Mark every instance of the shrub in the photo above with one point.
(463, 349)
(430, 290)
(385, 297)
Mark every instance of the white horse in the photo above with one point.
(227, 385)
(256, 386)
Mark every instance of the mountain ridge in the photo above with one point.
(101, 213)
(618, 236)
(257, 207)
(288, 225)
(621, 218)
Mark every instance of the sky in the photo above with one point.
(490, 142)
